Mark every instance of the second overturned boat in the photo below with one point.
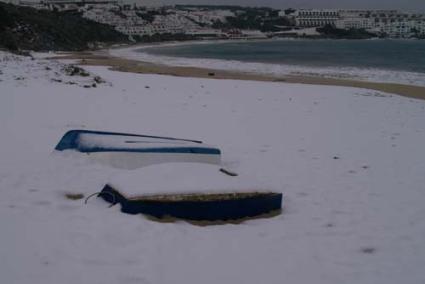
(198, 207)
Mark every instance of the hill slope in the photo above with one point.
(28, 28)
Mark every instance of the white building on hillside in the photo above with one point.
(207, 17)
(316, 17)
(136, 22)
(390, 23)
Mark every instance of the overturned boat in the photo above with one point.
(198, 207)
(192, 192)
(132, 151)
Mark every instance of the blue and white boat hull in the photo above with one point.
(131, 151)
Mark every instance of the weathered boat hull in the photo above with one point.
(132, 151)
(252, 205)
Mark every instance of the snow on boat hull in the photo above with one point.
(201, 207)
(132, 151)
(134, 160)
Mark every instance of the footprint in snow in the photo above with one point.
(67, 207)
(42, 203)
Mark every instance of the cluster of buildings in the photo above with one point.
(138, 22)
(390, 23)
(135, 20)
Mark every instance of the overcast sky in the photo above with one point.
(405, 5)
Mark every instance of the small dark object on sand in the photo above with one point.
(229, 173)
(368, 250)
(98, 80)
(74, 196)
(72, 70)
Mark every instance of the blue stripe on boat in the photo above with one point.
(187, 150)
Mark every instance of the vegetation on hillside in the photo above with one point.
(25, 28)
(330, 31)
(164, 37)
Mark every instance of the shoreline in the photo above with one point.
(103, 58)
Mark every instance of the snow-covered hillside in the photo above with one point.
(350, 163)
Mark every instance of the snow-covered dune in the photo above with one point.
(350, 163)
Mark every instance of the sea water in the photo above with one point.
(404, 55)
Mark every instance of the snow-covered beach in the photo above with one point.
(349, 161)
